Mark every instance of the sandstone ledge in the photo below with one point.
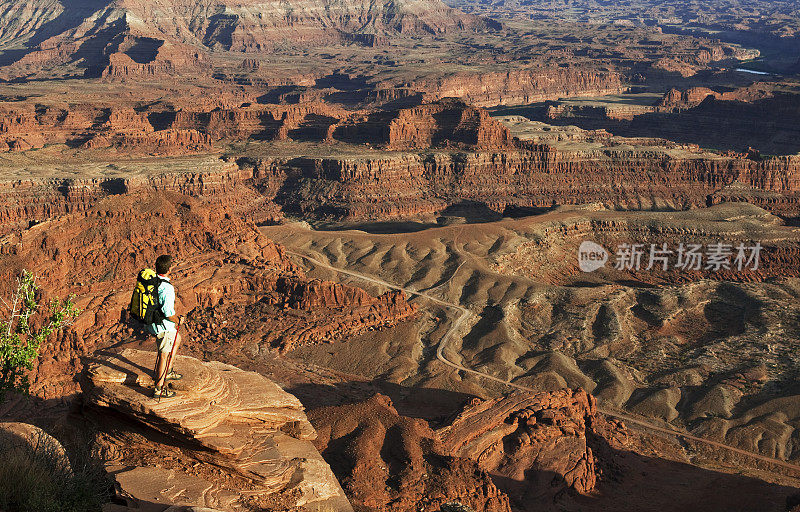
(254, 435)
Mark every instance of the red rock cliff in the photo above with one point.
(446, 122)
(519, 86)
(537, 175)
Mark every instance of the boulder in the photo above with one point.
(14, 435)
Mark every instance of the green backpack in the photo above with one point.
(144, 301)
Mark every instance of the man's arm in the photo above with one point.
(168, 305)
(175, 319)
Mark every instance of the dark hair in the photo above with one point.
(163, 263)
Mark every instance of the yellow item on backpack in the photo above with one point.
(144, 301)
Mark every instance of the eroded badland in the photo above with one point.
(379, 213)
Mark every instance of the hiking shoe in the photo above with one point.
(173, 375)
(165, 393)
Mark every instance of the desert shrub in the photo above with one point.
(36, 476)
(21, 334)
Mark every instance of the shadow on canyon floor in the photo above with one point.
(633, 482)
(431, 404)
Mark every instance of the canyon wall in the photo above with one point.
(393, 184)
(162, 132)
(183, 131)
(29, 201)
(535, 175)
(519, 86)
(444, 123)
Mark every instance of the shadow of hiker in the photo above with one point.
(133, 372)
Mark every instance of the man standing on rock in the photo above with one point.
(165, 329)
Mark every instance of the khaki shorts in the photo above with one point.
(166, 340)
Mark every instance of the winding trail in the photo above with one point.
(464, 314)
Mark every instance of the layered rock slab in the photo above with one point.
(24, 436)
(246, 426)
(534, 442)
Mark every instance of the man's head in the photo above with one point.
(163, 264)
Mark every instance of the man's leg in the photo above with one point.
(177, 344)
(161, 366)
(158, 362)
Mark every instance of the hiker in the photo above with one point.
(164, 327)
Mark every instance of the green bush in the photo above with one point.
(21, 337)
(36, 477)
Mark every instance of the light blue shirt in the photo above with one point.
(166, 297)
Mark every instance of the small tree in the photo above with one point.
(19, 339)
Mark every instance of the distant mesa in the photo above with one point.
(694, 96)
(762, 115)
(445, 123)
(111, 38)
